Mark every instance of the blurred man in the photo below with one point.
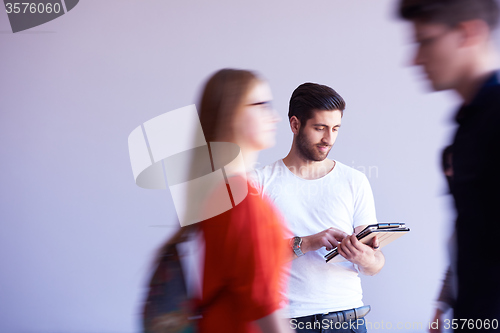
(325, 204)
(456, 51)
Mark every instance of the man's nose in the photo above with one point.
(327, 138)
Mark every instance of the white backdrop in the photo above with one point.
(77, 235)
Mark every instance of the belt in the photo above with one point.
(344, 315)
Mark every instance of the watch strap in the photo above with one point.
(296, 246)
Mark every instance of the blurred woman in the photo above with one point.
(245, 251)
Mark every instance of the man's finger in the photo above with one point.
(375, 243)
(333, 241)
(341, 251)
(345, 247)
(330, 244)
(337, 234)
(357, 244)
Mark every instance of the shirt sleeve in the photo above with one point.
(364, 204)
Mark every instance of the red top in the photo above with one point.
(245, 255)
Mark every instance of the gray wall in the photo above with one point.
(77, 235)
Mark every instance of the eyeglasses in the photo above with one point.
(265, 106)
(428, 41)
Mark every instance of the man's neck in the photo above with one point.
(477, 75)
(307, 169)
(468, 88)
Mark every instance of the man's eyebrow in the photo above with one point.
(325, 125)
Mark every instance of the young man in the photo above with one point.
(456, 51)
(325, 204)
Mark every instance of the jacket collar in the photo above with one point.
(480, 99)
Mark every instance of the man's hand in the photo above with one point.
(329, 238)
(368, 258)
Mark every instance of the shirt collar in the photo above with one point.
(478, 100)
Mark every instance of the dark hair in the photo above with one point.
(221, 99)
(450, 12)
(310, 97)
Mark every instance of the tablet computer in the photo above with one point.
(386, 232)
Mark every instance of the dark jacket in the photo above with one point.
(476, 189)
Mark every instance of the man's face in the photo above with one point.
(317, 136)
(440, 53)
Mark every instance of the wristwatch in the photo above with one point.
(295, 243)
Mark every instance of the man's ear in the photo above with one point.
(474, 32)
(295, 125)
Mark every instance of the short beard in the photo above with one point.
(307, 150)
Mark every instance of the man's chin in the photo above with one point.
(320, 157)
(439, 86)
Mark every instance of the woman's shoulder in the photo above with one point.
(238, 196)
